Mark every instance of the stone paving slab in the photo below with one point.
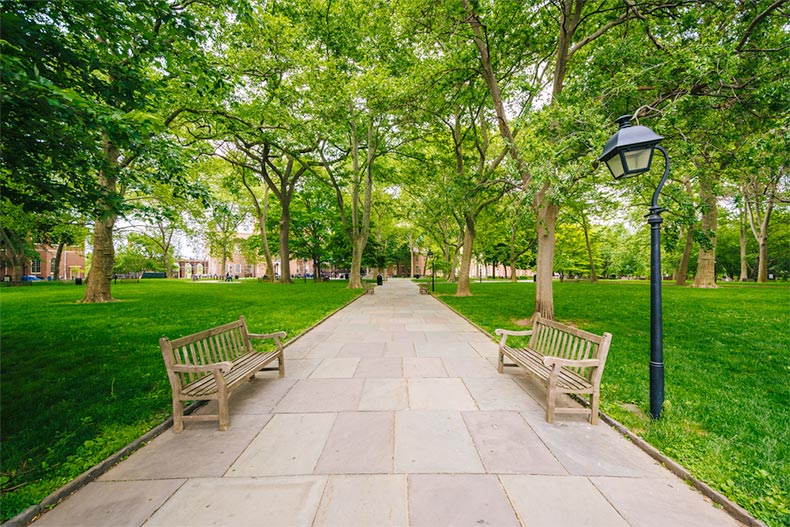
(290, 445)
(555, 501)
(469, 367)
(434, 442)
(359, 348)
(111, 503)
(359, 443)
(501, 393)
(423, 367)
(659, 502)
(300, 368)
(458, 499)
(384, 394)
(322, 395)
(439, 394)
(586, 450)
(242, 502)
(441, 349)
(172, 455)
(384, 367)
(379, 501)
(336, 368)
(391, 413)
(507, 444)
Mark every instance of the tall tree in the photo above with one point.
(579, 23)
(101, 68)
(764, 187)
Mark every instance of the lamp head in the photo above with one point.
(630, 150)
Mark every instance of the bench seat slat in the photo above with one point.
(533, 361)
(243, 368)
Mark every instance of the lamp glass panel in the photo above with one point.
(615, 165)
(638, 160)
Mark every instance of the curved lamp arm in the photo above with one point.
(663, 179)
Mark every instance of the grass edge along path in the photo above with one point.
(104, 384)
(727, 354)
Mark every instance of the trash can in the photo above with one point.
(78, 281)
(379, 280)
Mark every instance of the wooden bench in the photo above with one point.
(424, 288)
(369, 288)
(209, 365)
(566, 359)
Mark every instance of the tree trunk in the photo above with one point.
(762, 240)
(512, 252)
(466, 259)
(547, 213)
(165, 242)
(14, 251)
(100, 274)
(285, 232)
(546, 224)
(706, 261)
(411, 259)
(360, 226)
(56, 263)
(759, 219)
(762, 269)
(263, 215)
(452, 259)
(744, 275)
(683, 267)
(586, 228)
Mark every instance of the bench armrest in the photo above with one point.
(586, 363)
(505, 333)
(277, 335)
(223, 367)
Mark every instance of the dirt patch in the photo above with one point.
(634, 409)
(524, 322)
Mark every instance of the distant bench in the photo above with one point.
(565, 359)
(211, 364)
(424, 288)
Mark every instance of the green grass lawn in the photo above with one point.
(79, 382)
(727, 367)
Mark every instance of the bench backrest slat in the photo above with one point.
(223, 343)
(550, 338)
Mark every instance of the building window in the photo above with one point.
(35, 266)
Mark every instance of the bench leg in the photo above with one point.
(552, 401)
(500, 366)
(281, 365)
(594, 408)
(178, 416)
(224, 414)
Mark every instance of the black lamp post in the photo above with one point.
(627, 153)
(433, 270)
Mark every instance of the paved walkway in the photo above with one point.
(391, 414)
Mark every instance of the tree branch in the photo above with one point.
(756, 21)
